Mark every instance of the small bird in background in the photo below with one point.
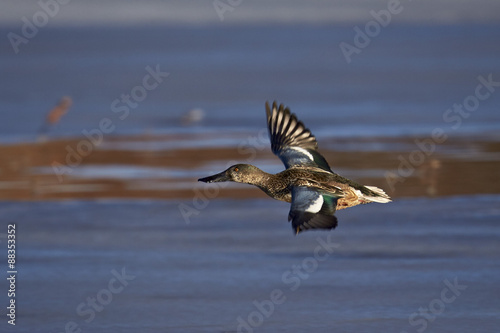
(313, 189)
(55, 115)
(192, 117)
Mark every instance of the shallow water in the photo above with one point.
(386, 262)
(397, 86)
(207, 270)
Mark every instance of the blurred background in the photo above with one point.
(111, 110)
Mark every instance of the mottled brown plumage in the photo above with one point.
(278, 186)
(308, 183)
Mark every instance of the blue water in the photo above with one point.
(203, 275)
(401, 84)
(382, 264)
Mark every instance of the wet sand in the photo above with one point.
(149, 170)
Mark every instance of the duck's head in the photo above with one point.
(240, 173)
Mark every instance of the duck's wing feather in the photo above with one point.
(312, 209)
(291, 141)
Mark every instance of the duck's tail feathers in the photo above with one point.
(378, 196)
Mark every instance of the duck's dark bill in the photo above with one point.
(220, 177)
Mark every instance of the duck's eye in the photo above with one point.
(236, 169)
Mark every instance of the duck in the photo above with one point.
(308, 183)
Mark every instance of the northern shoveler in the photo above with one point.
(308, 183)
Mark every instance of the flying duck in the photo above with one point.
(308, 183)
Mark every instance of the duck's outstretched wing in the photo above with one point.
(291, 141)
(312, 210)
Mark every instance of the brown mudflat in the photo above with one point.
(28, 171)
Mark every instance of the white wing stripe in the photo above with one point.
(315, 205)
(303, 151)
